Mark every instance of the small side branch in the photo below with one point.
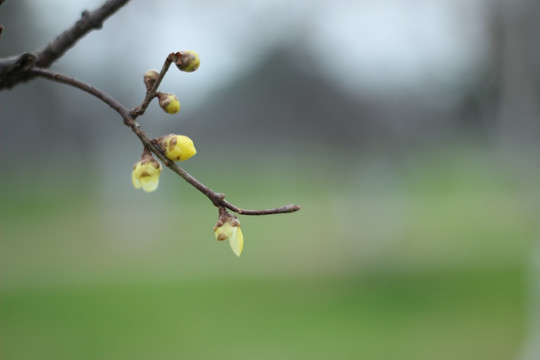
(218, 199)
(151, 93)
(280, 210)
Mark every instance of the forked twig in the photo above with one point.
(218, 199)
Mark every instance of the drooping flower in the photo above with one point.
(168, 102)
(177, 147)
(228, 227)
(146, 172)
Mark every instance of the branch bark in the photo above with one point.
(15, 69)
(218, 199)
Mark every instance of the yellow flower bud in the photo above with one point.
(168, 102)
(229, 228)
(150, 77)
(187, 60)
(177, 147)
(146, 172)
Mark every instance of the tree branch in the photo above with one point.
(11, 73)
(218, 199)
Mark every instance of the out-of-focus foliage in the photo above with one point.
(428, 262)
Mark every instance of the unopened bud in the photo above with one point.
(176, 147)
(168, 102)
(150, 78)
(187, 60)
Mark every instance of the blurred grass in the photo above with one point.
(422, 260)
(464, 315)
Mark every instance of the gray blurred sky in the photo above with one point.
(373, 44)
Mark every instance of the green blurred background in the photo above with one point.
(419, 186)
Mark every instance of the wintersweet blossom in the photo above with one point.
(146, 172)
(230, 229)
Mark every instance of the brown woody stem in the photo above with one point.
(128, 116)
(151, 94)
(16, 69)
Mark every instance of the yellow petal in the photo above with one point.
(150, 183)
(237, 241)
(134, 177)
(174, 105)
(146, 176)
(193, 63)
(135, 181)
(186, 146)
(224, 232)
(179, 148)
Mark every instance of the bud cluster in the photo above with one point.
(146, 171)
(185, 61)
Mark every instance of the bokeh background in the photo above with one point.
(407, 131)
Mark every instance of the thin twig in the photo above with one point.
(83, 86)
(280, 210)
(218, 199)
(151, 93)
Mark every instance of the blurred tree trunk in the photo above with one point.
(516, 70)
(48, 120)
(515, 29)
